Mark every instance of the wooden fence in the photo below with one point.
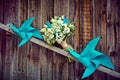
(33, 62)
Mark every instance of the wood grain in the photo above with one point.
(22, 52)
(100, 29)
(1, 39)
(33, 62)
(62, 52)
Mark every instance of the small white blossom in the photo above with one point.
(59, 21)
(53, 20)
(62, 16)
(45, 25)
(65, 25)
(50, 30)
(57, 29)
(51, 36)
(66, 30)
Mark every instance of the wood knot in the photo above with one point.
(113, 53)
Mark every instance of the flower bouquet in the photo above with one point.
(57, 30)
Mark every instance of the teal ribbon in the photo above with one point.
(65, 20)
(26, 31)
(92, 58)
(48, 24)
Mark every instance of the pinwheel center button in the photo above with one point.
(85, 61)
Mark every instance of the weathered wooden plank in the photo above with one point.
(61, 7)
(33, 50)
(46, 63)
(53, 48)
(87, 29)
(22, 52)
(14, 17)
(1, 20)
(87, 21)
(113, 73)
(117, 29)
(60, 51)
(100, 30)
(55, 65)
(78, 68)
(9, 64)
(71, 66)
(113, 33)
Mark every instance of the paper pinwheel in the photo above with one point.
(26, 31)
(91, 58)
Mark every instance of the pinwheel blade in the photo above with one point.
(36, 34)
(14, 28)
(23, 42)
(74, 54)
(26, 25)
(105, 61)
(89, 71)
(93, 43)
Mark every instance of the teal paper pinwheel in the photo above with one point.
(26, 31)
(91, 58)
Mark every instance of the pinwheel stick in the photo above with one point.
(60, 51)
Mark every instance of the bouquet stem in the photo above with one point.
(65, 46)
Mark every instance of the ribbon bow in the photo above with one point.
(26, 31)
(92, 58)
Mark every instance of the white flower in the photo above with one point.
(65, 25)
(51, 36)
(57, 29)
(62, 16)
(53, 20)
(54, 24)
(50, 30)
(43, 30)
(46, 33)
(71, 25)
(60, 21)
(60, 34)
(66, 30)
(45, 25)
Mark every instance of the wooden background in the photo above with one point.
(32, 62)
